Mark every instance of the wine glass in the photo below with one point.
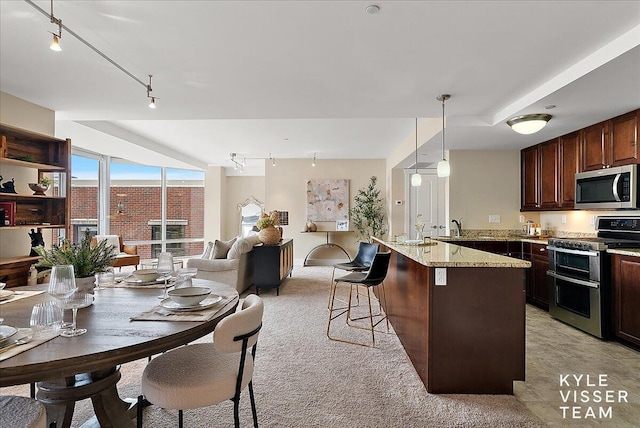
(62, 284)
(165, 267)
(73, 302)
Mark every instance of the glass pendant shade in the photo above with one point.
(416, 179)
(444, 169)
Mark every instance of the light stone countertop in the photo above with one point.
(451, 255)
(506, 238)
(633, 252)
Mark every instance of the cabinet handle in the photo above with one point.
(542, 250)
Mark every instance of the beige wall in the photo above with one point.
(286, 190)
(239, 188)
(22, 114)
(484, 183)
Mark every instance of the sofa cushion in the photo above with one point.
(221, 248)
(112, 240)
(243, 246)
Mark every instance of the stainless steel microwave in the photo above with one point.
(609, 188)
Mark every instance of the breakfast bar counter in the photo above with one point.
(460, 315)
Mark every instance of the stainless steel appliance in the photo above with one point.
(579, 269)
(609, 188)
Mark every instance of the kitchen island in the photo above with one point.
(460, 315)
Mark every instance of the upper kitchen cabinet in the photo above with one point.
(611, 143)
(549, 174)
(529, 176)
(595, 147)
(569, 147)
(624, 139)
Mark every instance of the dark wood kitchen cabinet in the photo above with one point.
(611, 143)
(529, 175)
(549, 174)
(624, 139)
(569, 166)
(595, 146)
(626, 298)
(538, 283)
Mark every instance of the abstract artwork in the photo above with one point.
(327, 199)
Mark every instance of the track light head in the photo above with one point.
(55, 44)
(152, 104)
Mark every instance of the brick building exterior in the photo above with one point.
(136, 212)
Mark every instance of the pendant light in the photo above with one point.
(416, 178)
(444, 169)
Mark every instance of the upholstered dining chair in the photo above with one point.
(374, 277)
(360, 263)
(204, 374)
(16, 411)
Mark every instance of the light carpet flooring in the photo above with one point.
(304, 380)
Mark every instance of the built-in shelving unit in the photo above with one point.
(21, 149)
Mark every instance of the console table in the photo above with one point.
(272, 264)
(327, 244)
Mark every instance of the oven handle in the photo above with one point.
(578, 252)
(575, 281)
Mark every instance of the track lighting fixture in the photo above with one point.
(55, 45)
(314, 160)
(237, 164)
(273, 160)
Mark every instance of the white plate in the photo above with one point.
(6, 331)
(206, 303)
(133, 280)
(6, 294)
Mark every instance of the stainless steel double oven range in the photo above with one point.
(581, 290)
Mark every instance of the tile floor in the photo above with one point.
(555, 349)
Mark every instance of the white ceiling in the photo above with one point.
(294, 78)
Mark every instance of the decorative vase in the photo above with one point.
(269, 235)
(311, 226)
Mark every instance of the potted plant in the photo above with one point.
(367, 213)
(42, 186)
(268, 234)
(86, 260)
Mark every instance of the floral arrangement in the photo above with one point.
(86, 260)
(266, 220)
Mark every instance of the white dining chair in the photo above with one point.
(16, 411)
(204, 374)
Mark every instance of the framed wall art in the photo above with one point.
(342, 225)
(327, 199)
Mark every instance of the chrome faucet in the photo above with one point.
(458, 224)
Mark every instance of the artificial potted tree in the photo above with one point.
(367, 214)
(86, 260)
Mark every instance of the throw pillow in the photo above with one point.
(207, 251)
(221, 248)
(242, 246)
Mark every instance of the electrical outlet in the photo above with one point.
(441, 276)
(563, 219)
(495, 218)
(521, 219)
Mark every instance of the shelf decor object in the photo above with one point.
(39, 188)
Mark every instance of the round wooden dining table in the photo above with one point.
(70, 369)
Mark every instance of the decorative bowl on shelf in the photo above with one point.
(39, 188)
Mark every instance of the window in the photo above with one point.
(84, 196)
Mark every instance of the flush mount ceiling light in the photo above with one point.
(529, 123)
(416, 178)
(444, 169)
(372, 8)
(55, 45)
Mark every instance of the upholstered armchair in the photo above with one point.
(234, 268)
(126, 255)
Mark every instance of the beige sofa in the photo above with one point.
(236, 270)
